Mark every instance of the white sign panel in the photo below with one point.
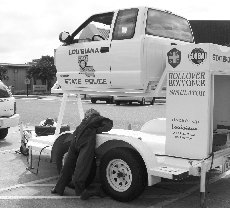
(39, 87)
(188, 116)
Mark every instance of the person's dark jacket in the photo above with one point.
(89, 127)
(79, 161)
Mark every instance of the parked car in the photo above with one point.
(8, 116)
(107, 99)
(130, 99)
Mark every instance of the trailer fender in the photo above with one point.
(66, 136)
(106, 142)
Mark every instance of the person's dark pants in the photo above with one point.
(78, 164)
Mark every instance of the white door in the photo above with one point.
(86, 62)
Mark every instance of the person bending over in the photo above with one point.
(80, 160)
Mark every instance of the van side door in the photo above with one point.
(85, 62)
(126, 52)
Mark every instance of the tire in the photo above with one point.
(3, 133)
(111, 101)
(62, 152)
(153, 101)
(120, 161)
(107, 102)
(142, 101)
(93, 100)
(117, 103)
(130, 103)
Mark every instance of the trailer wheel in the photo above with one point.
(3, 133)
(142, 101)
(123, 174)
(60, 160)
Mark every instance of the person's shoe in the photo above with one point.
(85, 195)
(102, 194)
(93, 192)
(53, 191)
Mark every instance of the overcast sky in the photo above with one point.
(29, 29)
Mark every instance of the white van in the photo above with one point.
(8, 116)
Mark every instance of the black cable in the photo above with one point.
(211, 155)
(209, 173)
(39, 158)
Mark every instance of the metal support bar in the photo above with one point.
(30, 159)
(61, 114)
(202, 183)
(161, 82)
(21, 133)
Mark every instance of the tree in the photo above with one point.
(32, 73)
(3, 73)
(44, 70)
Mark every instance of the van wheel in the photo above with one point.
(93, 101)
(117, 103)
(61, 158)
(153, 101)
(112, 100)
(142, 101)
(123, 174)
(3, 133)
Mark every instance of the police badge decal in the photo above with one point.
(84, 69)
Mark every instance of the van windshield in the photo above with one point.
(167, 25)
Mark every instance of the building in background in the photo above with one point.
(17, 76)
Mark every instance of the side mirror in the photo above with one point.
(64, 36)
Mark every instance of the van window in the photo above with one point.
(4, 91)
(125, 24)
(97, 26)
(167, 25)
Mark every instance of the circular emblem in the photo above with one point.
(197, 56)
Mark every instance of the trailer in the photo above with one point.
(193, 139)
(190, 141)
